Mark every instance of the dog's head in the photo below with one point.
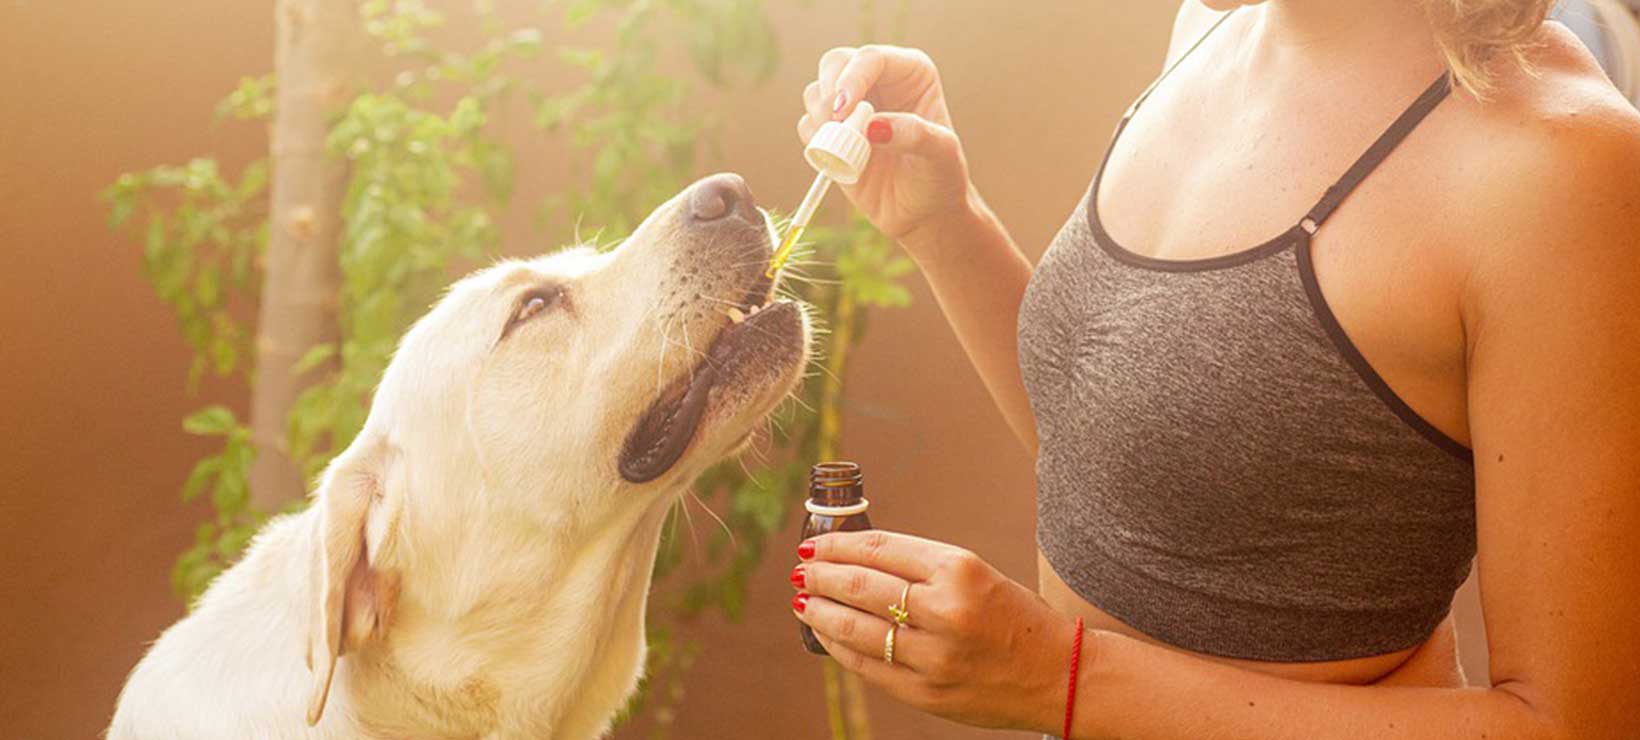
(558, 393)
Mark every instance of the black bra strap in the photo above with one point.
(1377, 153)
(1176, 62)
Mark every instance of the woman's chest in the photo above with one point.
(1182, 188)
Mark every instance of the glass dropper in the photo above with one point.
(839, 152)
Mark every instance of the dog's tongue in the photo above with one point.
(664, 433)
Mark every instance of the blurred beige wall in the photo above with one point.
(92, 386)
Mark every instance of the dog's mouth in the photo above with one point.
(752, 349)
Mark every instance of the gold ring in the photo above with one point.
(899, 613)
(888, 643)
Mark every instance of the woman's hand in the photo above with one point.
(917, 180)
(979, 648)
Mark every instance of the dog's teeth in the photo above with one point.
(735, 316)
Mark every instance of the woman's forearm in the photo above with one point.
(1132, 689)
(978, 277)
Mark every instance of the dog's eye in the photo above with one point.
(535, 302)
(533, 305)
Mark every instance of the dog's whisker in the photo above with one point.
(798, 267)
(697, 353)
(799, 400)
(748, 263)
(806, 280)
(726, 530)
(694, 538)
(826, 371)
(687, 344)
(660, 367)
(772, 425)
(737, 305)
(672, 519)
(765, 332)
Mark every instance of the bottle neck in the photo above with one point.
(836, 486)
(825, 495)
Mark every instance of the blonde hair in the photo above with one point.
(1474, 34)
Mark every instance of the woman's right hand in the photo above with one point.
(917, 180)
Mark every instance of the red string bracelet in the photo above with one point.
(1070, 694)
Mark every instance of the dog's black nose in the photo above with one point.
(721, 196)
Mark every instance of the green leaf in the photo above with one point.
(230, 493)
(525, 42)
(318, 355)
(588, 59)
(210, 421)
(202, 473)
(233, 541)
(578, 12)
(207, 287)
(252, 180)
(224, 354)
(467, 115)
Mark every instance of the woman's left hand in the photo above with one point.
(978, 648)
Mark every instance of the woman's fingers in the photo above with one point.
(858, 77)
(811, 99)
(806, 128)
(864, 589)
(831, 65)
(912, 134)
(862, 633)
(870, 667)
(895, 77)
(910, 558)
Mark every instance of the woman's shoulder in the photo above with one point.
(1557, 114)
(1552, 152)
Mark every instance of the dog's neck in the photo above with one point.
(535, 628)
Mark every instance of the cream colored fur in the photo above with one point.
(473, 565)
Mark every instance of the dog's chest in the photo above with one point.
(567, 687)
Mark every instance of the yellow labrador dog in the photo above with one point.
(476, 564)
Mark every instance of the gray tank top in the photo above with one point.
(1219, 467)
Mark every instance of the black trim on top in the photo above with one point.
(1280, 243)
(1127, 256)
(1341, 340)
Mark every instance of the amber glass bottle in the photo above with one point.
(837, 503)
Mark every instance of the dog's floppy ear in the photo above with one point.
(351, 595)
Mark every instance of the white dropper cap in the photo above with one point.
(839, 150)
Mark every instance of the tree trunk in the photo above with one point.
(845, 695)
(318, 48)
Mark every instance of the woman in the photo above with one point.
(1265, 462)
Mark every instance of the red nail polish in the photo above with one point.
(800, 602)
(806, 549)
(837, 105)
(797, 577)
(879, 132)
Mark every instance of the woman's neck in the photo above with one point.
(1359, 35)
